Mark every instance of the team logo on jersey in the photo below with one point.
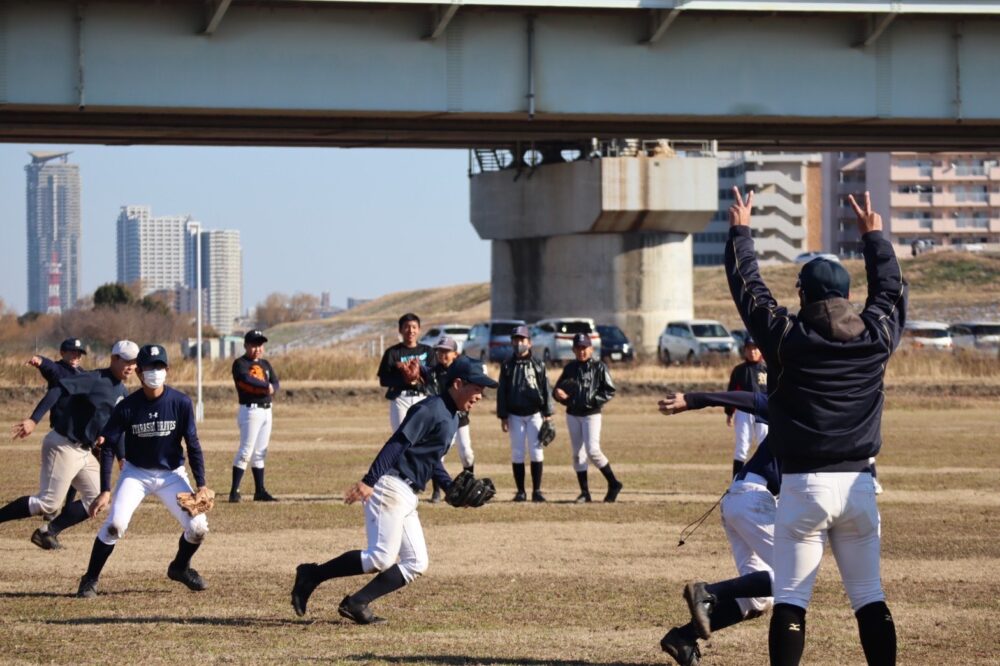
(762, 379)
(154, 415)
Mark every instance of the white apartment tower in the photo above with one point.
(787, 202)
(222, 277)
(154, 251)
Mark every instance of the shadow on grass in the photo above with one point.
(464, 660)
(70, 594)
(200, 620)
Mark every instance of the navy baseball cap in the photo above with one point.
(150, 355)
(255, 336)
(521, 332)
(446, 343)
(821, 279)
(72, 344)
(749, 342)
(582, 340)
(470, 372)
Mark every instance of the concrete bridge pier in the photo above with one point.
(608, 238)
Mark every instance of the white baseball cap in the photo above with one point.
(126, 350)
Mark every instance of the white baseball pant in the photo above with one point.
(838, 507)
(748, 513)
(134, 483)
(393, 529)
(747, 432)
(585, 441)
(255, 435)
(64, 464)
(399, 406)
(463, 438)
(523, 431)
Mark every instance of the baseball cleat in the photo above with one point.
(235, 497)
(700, 602)
(305, 583)
(537, 496)
(613, 490)
(520, 497)
(45, 541)
(358, 613)
(684, 652)
(583, 498)
(87, 589)
(264, 496)
(189, 577)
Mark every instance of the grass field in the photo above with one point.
(508, 584)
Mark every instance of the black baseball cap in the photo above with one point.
(521, 332)
(72, 344)
(749, 342)
(150, 355)
(470, 372)
(582, 340)
(256, 336)
(821, 279)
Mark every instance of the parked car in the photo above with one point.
(693, 340)
(490, 340)
(926, 335)
(806, 257)
(975, 334)
(552, 339)
(615, 345)
(460, 333)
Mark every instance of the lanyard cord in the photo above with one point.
(698, 522)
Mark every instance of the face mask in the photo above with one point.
(154, 378)
(522, 348)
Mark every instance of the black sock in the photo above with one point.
(608, 474)
(16, 510)
(518, 476)
(435, 487)
(878, 634)
(237, 478)
(70, 496)
(581, 478)
(348, 564)
(471, 469)
(185, 550)
(737, 467)
(688, 632)
(536, 476)
(71, 515)
(258, 479)
(725, 613)
(787, 637)
(756, 584)
(99, 554)
(388, 581)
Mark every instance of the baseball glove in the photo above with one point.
(410, 371)
(467, 490)
(197, 503)
(546, 433)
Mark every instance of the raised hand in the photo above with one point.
(868, 220)
(739, 212)
(674, 403)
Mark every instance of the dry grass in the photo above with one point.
(508, 584)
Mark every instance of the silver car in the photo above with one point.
(552, 339)
(692, 340)
(490, 340)
(976, 335)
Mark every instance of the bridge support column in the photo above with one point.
(607, 238)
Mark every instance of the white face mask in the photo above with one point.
(154, 378)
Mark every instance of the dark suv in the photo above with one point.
(614, 344)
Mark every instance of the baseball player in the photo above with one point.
(748, 509)
(825, 394)
(584, 387)
(147, 427)
(71, 353)
(389, 493)
(523, 402)
(446, 350)
(403, 370)
(751, 375)
(256, 383)
(80, 405)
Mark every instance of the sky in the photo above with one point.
(353, 222)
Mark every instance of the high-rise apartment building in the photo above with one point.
(787, 216)
(53, 207)
(154, 251)
(222, 277)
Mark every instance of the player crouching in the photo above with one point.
(410, 458)
(153, 421)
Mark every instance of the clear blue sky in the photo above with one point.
(352, 222)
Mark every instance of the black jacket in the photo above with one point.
(826, 365)
(747, 376)
(589, 386)
(523, 389)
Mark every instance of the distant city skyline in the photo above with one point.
(52, 191)
(355, 223)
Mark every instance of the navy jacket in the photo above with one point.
(53, 371)
(81, 404)
(826, 364)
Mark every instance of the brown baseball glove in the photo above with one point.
(197, 503)
(411, 371)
